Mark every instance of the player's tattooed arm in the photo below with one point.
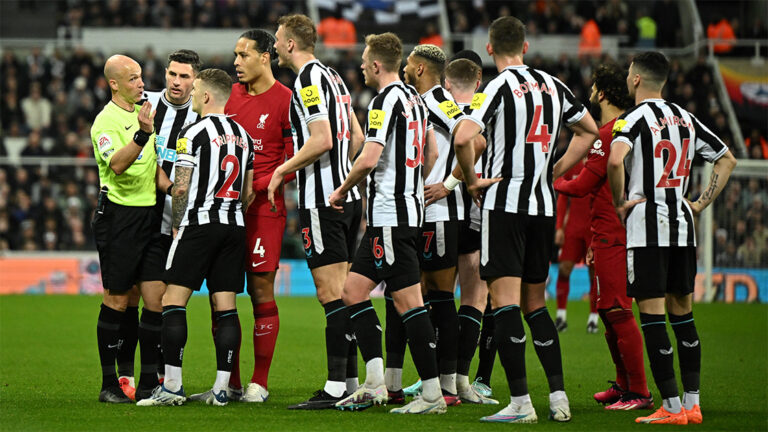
(181, 195)
(717, 181)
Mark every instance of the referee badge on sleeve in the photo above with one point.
(477, 100)
(104, 142)
(376, 119)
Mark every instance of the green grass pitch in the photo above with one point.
(49, 374)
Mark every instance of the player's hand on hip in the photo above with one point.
(147, 117)
(696, 208)
(590, 258)
(174, 232)
(477, 189)
(435, 192)
(337, 199)
(623, 209)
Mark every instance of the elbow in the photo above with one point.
(326, 143)
(117, 170)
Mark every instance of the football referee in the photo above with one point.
(124, 216)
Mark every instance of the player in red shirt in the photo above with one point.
(609, 253)
(261, 105)
(573, 237)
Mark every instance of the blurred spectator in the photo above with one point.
(589, 44)
(36, 108)
(431, 36)
(722, 30)
(337, 32)
(646, 30)
(757, 147)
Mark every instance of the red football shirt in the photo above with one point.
(265, 118)
(578, 207)
(607, 230)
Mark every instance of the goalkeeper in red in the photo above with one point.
(629, 391)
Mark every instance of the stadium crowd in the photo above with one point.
(50, 101)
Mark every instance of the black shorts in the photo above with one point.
(389, 254)
(516, 245)
(439, 245)
(330, 236)
(653, 272)
(156, 256)
(469, 239)
(215, 252)
(122, 235)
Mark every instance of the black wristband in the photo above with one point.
(168, 191)
(141, 137)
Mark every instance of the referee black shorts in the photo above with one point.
(389, 254)
(516, 245)
(122, 235)
(214, 252)
(330, 236)
(653, 272)
(156, 256)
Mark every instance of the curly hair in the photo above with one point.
(611, 79)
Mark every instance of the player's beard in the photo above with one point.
(595, 111)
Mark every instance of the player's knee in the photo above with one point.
(565, 268)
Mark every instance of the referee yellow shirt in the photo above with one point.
(112, 130)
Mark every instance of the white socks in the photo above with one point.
(430, 390)
(690, 400)
(393, 378)
(673, 405)
(374, 372)
(561, 314)
(172, 380)
(222, 381)
(556, 396)
(592, 318)
(462, 383)
(448, 383)
(520, 400)
(335, 388)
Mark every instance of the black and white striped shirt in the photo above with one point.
(169, 119)
(220, 151)
(320, 94)
(398, 120)
(444, 115)
(663, 139)
(523, 110)
(471, 210)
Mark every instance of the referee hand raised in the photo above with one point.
(147, 118)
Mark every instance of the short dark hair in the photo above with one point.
(463, 72)
(301, 29)
(187, 57)
(653, 66)
(218, 81)
(611, 80)
(265, 42)
(386, 48)
(507, 35)
(469, 55)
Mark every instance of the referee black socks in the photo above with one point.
(150, 328)
(174, 335)
(547, 346)
(688, 350)
(660, 354)
(107, 336)
(336, 342)
(469, 332)
(510, 337)
(421, 341)
(129, 337)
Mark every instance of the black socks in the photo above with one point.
(547, 346)
(421, 341)
(174, 335)
(660, 354)
(469, 332)
(150, 328)
(367, 329)
(107, 337)
(510, 337)
(394, 336)
(226, 339)
(129, 337)
(336, 343)
(688, 350)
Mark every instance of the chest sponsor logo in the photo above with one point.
(376, 119)
(310, 96)
(597, 148)
(477, 100)
(165, 154)
(262, 121)
(449, 108)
